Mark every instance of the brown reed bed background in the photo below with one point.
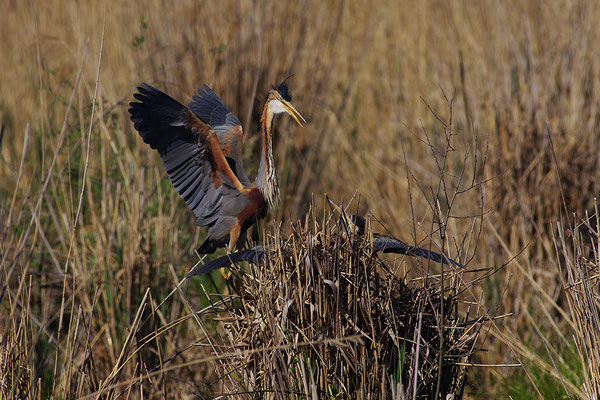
(324, 317)
(472, 127)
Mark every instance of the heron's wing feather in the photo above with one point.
(160, 119)
(189, 150)
(388, 244)
(211, 110)
(255, 255)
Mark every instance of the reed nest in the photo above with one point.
(325, 317)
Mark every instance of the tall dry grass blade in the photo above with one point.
(582, 268)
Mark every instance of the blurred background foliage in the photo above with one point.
(379, 83)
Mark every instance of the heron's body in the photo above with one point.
(389, 244)
(201, 150)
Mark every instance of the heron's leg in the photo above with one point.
(242, 241)
(234, 234)
(261, 229)
(225, 273)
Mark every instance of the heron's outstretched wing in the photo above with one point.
(255, 255)
(388, 244)
(211, 110)
(193, 158)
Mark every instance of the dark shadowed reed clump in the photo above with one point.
(325, 317)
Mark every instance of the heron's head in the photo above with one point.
(279, 100)
(356, 223)
(360, 223)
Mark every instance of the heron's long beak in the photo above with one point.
(293, 112)
(343, 214)
(335, 206)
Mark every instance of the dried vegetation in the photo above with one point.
(472, 128)
(326, 317)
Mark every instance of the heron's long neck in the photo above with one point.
(266, 180)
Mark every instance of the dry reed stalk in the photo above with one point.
(519, 70)
(581, 280)
(325, 316)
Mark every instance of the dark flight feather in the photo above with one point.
(381, 243)
(389, 244)
(255, 255)
(212, 111)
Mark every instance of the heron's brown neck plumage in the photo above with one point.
(266, 180)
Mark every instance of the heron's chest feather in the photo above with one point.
(255, 209)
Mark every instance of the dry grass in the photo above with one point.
(471, 126)
(580, 264)
(324, 317)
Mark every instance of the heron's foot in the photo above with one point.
(226, 273)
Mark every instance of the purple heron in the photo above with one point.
(201, 150)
